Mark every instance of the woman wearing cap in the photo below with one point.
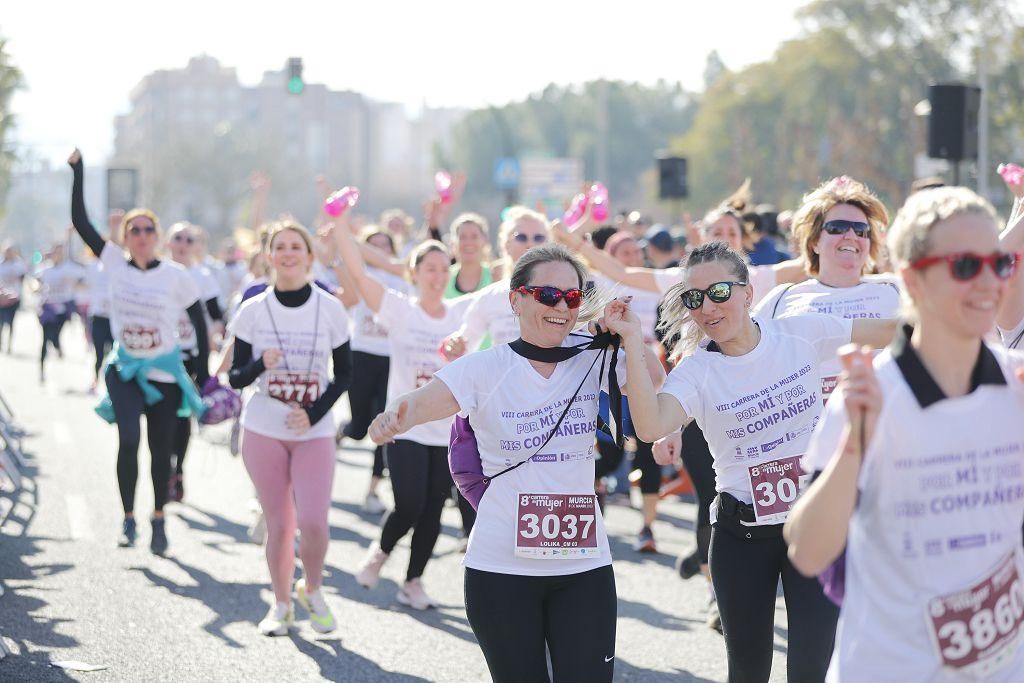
(929, 511)
(755, 391)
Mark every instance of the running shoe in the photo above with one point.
(176, 488)
(411, 594)
(158, 537)
(645, 541)
(714, 620)
(278, 619)
(689, 566)
(320, 617)
(373, 504)
(369, 571)
(127, 537)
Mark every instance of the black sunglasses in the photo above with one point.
(538, 238)
(967, 266)
(719, 292)
(139, 229)
(839, 227)
(183, 238)
(550, 296)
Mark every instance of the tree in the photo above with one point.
(10, 80)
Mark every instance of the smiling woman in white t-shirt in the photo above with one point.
(921, 454)
(417, 461)
(538, 567)
(755, 391)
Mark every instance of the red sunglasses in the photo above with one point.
(967, 265)
(550, 296)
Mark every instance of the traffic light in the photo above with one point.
(295, 82)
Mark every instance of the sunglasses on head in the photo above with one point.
(187, 239)
(550, 296)
(539, 238)
(839, 227)
(139, 229)
(719, 292)
(966, 265)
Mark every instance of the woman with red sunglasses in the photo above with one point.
(755, 391)
(538, 567)
(924, 484)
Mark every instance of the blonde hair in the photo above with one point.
(909, 238)
(513, 216)
(676, 320)
(809, 219)
(275, 229)
(132, 215)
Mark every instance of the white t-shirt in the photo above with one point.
(877, 297)
(762, 278)
(208, 289)
(307, 335)
(644, 303)
(512, 409)
(60, 282)
(368, 335)
(11, 273)
(490, 313)
(941, 504)
(99, 289)
(145, 305)
(415, 339)
(759, 407)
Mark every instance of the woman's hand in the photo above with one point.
(272, 358)
(75, 158)
(668, 450)
(862, 394)
(453, 346)
(618, 319)
(298, 420)
(570, 240)
(389, 424)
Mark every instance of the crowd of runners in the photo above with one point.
(839, 385)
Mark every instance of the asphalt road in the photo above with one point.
(72, 595)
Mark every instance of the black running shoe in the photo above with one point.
(689, 566)
(158, 539)
(127, 537)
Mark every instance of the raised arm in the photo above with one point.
(791, 271)
(369, 288)
(79, 217)
(640, 278)
(432, 401)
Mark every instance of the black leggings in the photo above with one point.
(161, 422)
(51, 335)
(183, 430)
(367, 396)
(513, 617)
(421, 483)
(7, 314)
(746, 574)
(700, 465)
(102, 339)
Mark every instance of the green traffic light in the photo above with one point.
(295, 85)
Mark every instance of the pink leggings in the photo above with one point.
(293, 482)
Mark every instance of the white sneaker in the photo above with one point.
(373, 504)
(278, 619)
(412, 595)
(369, 571)
(320, 617)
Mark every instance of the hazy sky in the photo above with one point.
(80, 60)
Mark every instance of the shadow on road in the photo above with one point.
(624, 671)
(338, 664)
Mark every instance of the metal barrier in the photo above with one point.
(12, 458)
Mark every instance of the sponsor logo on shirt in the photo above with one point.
(578, 455)
(545, 457)
(968, 542)
(772, 445)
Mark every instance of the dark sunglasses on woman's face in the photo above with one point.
(539, 238)
(139, 229)
(964, 266)
(719, 292)
(187, 239)
(550, 296)
(839, 227)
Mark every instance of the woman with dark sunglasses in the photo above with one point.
(924, 484)
(145, 375)
(538, 566)
(182, 243)
(755, 391)
(418, 461)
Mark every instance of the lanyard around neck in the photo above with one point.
(280, 344)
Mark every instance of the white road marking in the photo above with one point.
(78, 517)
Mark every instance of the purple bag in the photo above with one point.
(222, 403)
(833, 580)
(464, 462)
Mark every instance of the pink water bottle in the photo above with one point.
(577, 210)
(598, 202)
(443, 185)
(341, 201)
(1011, 173)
